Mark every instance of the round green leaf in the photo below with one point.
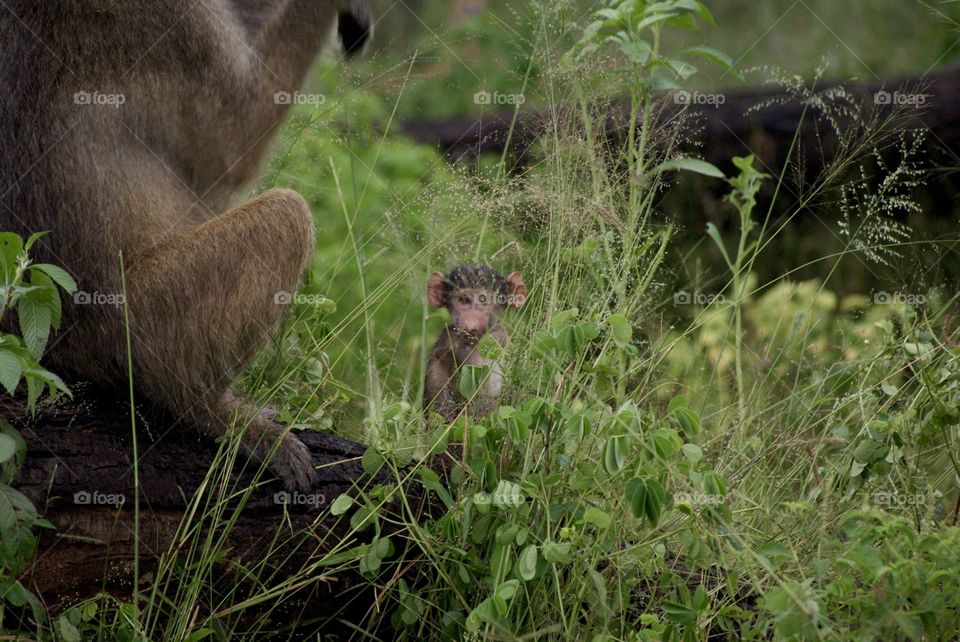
(341, 504)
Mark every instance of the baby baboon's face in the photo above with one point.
(476, 310)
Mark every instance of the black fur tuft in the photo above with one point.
(355, 27)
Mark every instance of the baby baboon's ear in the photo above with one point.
(516, 289)
(437, 290)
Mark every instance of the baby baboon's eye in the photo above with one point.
(482, 297)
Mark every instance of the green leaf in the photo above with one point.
(614, 452)
(620, 327)
(507, 590)
(371, 461)
(597, 517)
(663, 443)
(14, 592)
(36, 236)
(489, 348)
(8, 448)
(701, 600)
(774, 550)
(10, 371)
(679, 613)
(692, 452)
(59, 276)
(909, 624)
(472, 378)
(341, 504)
(683, 70)
(713, 56)
(40, 375)
(870, 451)
(527, 564)
(34, 325)
(11, 246)
(484, 612)
(700, 9)
(590, 331)
(677, 402)
(714, 234)
(542, 344)
(714, 484)
(636, 492)
(556, 553)
(691, 165)
(688, 420)
(655, 499)
(636, 51)
(68, 632)
(654, 18)
(570, 339)
(53, 300)
(33, 392)
(578, 425)
(560, 319)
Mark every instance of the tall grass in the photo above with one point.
(775, 462)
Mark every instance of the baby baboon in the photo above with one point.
(129, 127)
(476, 296)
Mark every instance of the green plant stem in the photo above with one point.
(133, 437)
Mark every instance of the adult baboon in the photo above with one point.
(130, 127)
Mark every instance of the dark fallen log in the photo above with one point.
(733, 126)
(78, 473)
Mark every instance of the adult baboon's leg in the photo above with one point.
(205, 303)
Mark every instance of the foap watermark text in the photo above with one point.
(901, 298)
(496, 98)
(81, 297)
(96, 498)
(99, 99)
(697, 298)
(298, 98)
(299, 499)
(899, 98)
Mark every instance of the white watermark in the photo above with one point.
(697, 499)
(901, 298)
(288, 298)
(698, 98)
(96, 498)
(299, 499)
(81, 297)
(298, 98)
(496, 98)
(697, 298)
(885, 498)
(486, 298)
(899, 98)
(99, 99)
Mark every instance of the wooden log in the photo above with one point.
(78, 472)
(733, 127)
